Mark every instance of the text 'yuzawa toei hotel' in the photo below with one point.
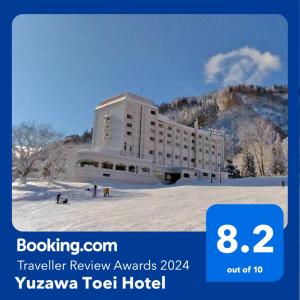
(132, 142)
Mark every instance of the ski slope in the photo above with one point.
(178, 207)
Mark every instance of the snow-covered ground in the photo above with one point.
(178, 207)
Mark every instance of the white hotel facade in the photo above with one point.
(132, 142)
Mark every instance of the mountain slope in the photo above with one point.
(233, 108)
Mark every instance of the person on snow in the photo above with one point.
(106, 192)
(60, 200)
(95, 191)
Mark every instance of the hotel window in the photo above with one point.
(130, 117)
(125, 146)
(161, 141)
(192, 160)
(176, 157)
(152, 123)
(184, 158)
(213, 153)
(200, 161)
(205, 174)
(107, 120)
(178, 130)
(160, 154)
(185, 139)
(151, 152)
(129, 133)
(185, 132)
(131, 169)
(152, 131)
(176, 137)
(161, 133)
(169, 127)
(192, 134)
(193, 148)
(213, 146)
(200, 150)
(169, 135)
(206, 151)
(129, 125)
(177, 145)
(153, 112)
(152, 138)
(200, 136)
(169, 142)
(107, 165)
(169, 155)
(146, 170)
(88, 163)
(160, 125)
(185, 146)
(206, 138)
(130, 148)
(120, 167)
(193, 141)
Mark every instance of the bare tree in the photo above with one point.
(29, 144)
(257, 136)
(58, 156)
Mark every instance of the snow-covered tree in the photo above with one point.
(277, 163)
(232, 170)
(29, 144)
(256, 137)
(56, 160)
(248, 166)
(284, 144)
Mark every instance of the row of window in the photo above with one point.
(177, 157)
(110, 166)
(169, 135)
(130, 117)
(153, 123)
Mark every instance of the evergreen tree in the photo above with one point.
(277, 164)
(232, 170)
(248, 166)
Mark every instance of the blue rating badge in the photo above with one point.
(244, 243)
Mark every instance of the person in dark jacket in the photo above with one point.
(95, 191)
(60, 200)
(282, 183)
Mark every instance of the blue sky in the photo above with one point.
(64, 65)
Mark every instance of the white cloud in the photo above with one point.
(244, 65)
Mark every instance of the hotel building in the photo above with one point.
(132, 142)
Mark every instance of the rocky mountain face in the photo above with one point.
(232, 109)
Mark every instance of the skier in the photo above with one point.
(95, 191)
(282, 183)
